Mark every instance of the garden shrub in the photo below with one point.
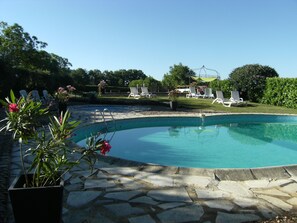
(249, 80)
(222, 85)
(281, 92)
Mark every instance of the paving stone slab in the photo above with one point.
(97, 218)
(257, 183)
(197, 172)
(160, 169)
(290, 188)
(271, 192)
(172, 194)
(196, 181)
(211, 194)
(75, 180)
(170, 205)
(292, 170)
(101, 175)
(235, 188)
(277, 202)
(292, 201)
(126, 171)
(124, 195)
(81, 198)
(191, 213)
(234, 174)
(236, 218)
(245, 202)
(279, 182)
(98, 183)
(156, 179)
(128, 183)
(270, 173)
(142, 219)
(268, 210)
(220, 204)
(124, 209)
(144, 200)
(73, 187)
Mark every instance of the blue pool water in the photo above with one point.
(224, 141)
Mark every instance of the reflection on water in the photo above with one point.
(263, 133)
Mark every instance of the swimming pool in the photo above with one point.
(219, 141)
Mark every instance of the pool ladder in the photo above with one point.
(106, 117)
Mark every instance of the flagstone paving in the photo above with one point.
(130, 192)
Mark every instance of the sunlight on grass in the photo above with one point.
(200, 104)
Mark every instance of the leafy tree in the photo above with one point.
(222, 85)
(153, 84)
(96, 76)
(24, 63)
(169, 82)
(250, 80)
(80, 77)
(18, 55)
(126, 76)
(178, 75)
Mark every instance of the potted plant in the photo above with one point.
(62, 96)
(37, 194)
(173, 96)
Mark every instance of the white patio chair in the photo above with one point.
(208, 93)
(235, 97)
(134, 93)
(221, 100)
(146, 93)
(193, 93)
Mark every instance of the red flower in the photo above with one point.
(105, 148)
(13, 107)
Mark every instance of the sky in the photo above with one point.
(154, 35)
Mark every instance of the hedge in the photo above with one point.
(281, 92)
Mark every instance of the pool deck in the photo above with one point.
(132, 192)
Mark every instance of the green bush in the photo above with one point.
(250, 80)
(281, 92)
(222, 85)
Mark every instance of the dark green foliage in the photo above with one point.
(23, 62)
(281, 92)
(178, 75)
(152, 84)
(222, 85)
(249, 80)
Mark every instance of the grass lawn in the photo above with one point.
(199, 104)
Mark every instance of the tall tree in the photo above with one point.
(178, 75)
(80, 77)
(250, 80)
(25, 64)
